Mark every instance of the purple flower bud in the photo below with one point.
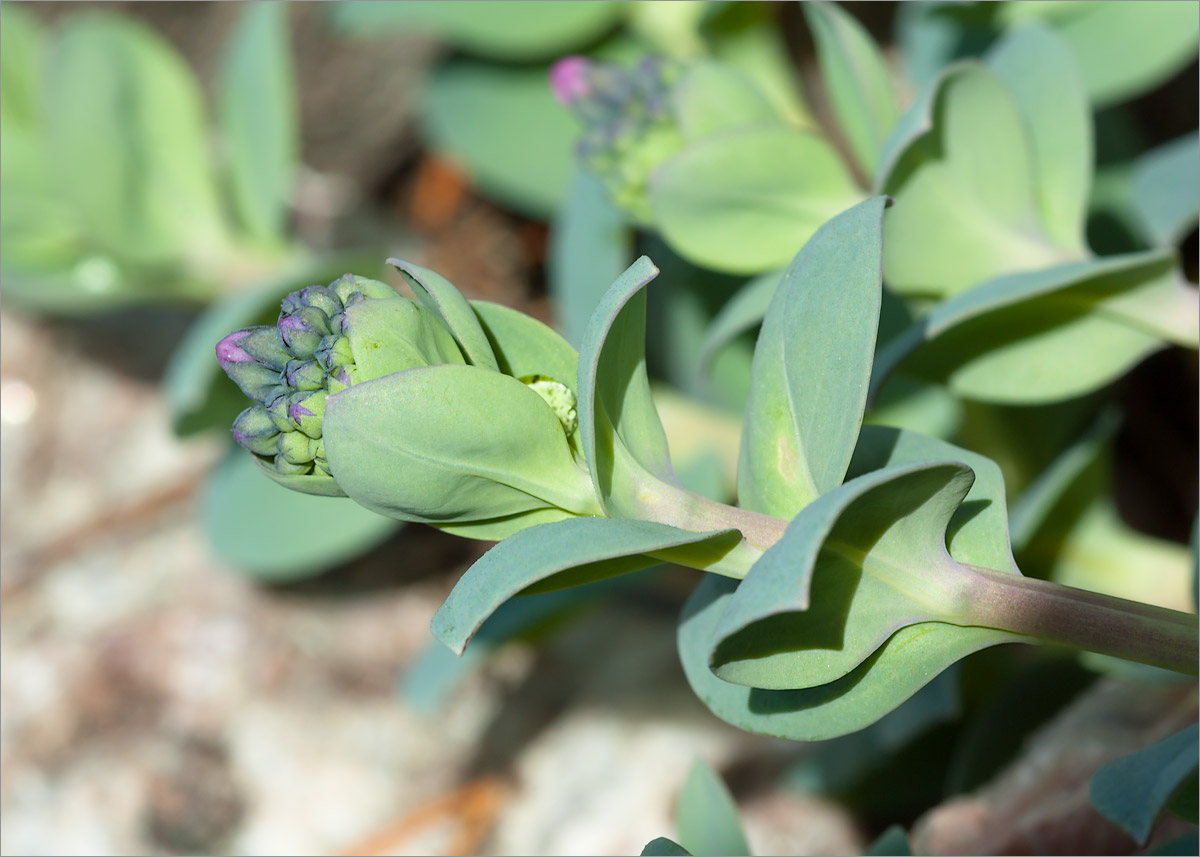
(253, 378)
(569, 80)
(300, 337)
(306, 411)
(255, 430)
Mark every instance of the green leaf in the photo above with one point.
(257, 110)
(663, 847)
(505, 129)
(556, 556)
(741, 313)
(436, 294)
(713, 97)
(1048, 335)
(1127, 49)
(812, 365)
(893, 841)
(1132, 791)
(277, 535)
(506, 31)
(854, 567)
(706, 816)
(747, 200)
(1164, 184)
(1043, 77)
(589, 248)
(909, 660)
(1182, 846)
(856, 79)
(961, 149)
(453, 444)
(127, 134)
(623, 438)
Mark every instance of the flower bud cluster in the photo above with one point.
(290, 368)
(628, 124)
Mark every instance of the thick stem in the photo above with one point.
(1085, 620)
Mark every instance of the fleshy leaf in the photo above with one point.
(257, 109)
(274, 534)
(854, 567)
(440, 297)
(452, 444)
(663, 847)
(1043, 77)
(556, 556)
(712, 97)
(893, 842)
(1048, 335)
(909, 660)
(1164, 190)
(812, 365)
(589, 248)
(706, 816)
(746, 201)
(975, 160)
(856, 79)
(744, 311)
(619, 424)
(1132, 791)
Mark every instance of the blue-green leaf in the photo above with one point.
(503, 126)
(257, 109)
(706, 816)
(812, 365)
(712, 97)
(438, 295)
(741, 313)
(745, 201)
(507, 31)
(893, 842)
(1044, 79)
(856, 79)
(663, 847)
(1048, 335)
(558, 555)
(962, 149)
(277, 535)
(621, 430)
(1164, 185)
(589, 248)
(1132, 791)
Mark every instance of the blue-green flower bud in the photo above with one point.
(296, 448)
(306, 411)
(304, 375)
(256, 431)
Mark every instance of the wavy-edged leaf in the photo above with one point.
(452, 444)
(1164, 190)
(1048, 335)
(619, 424)
(906, 663)
(556, 556)
(706, 816)
(854, 567)
(747, 200)
(503, 126)
(857, 81)
(519, 31)
(1044, 78)
(127, 134)
(440, 297)
(962, 149)
(1132, 791)
(277, 535)
(812, 365)
(256, 105)
(589, 248)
